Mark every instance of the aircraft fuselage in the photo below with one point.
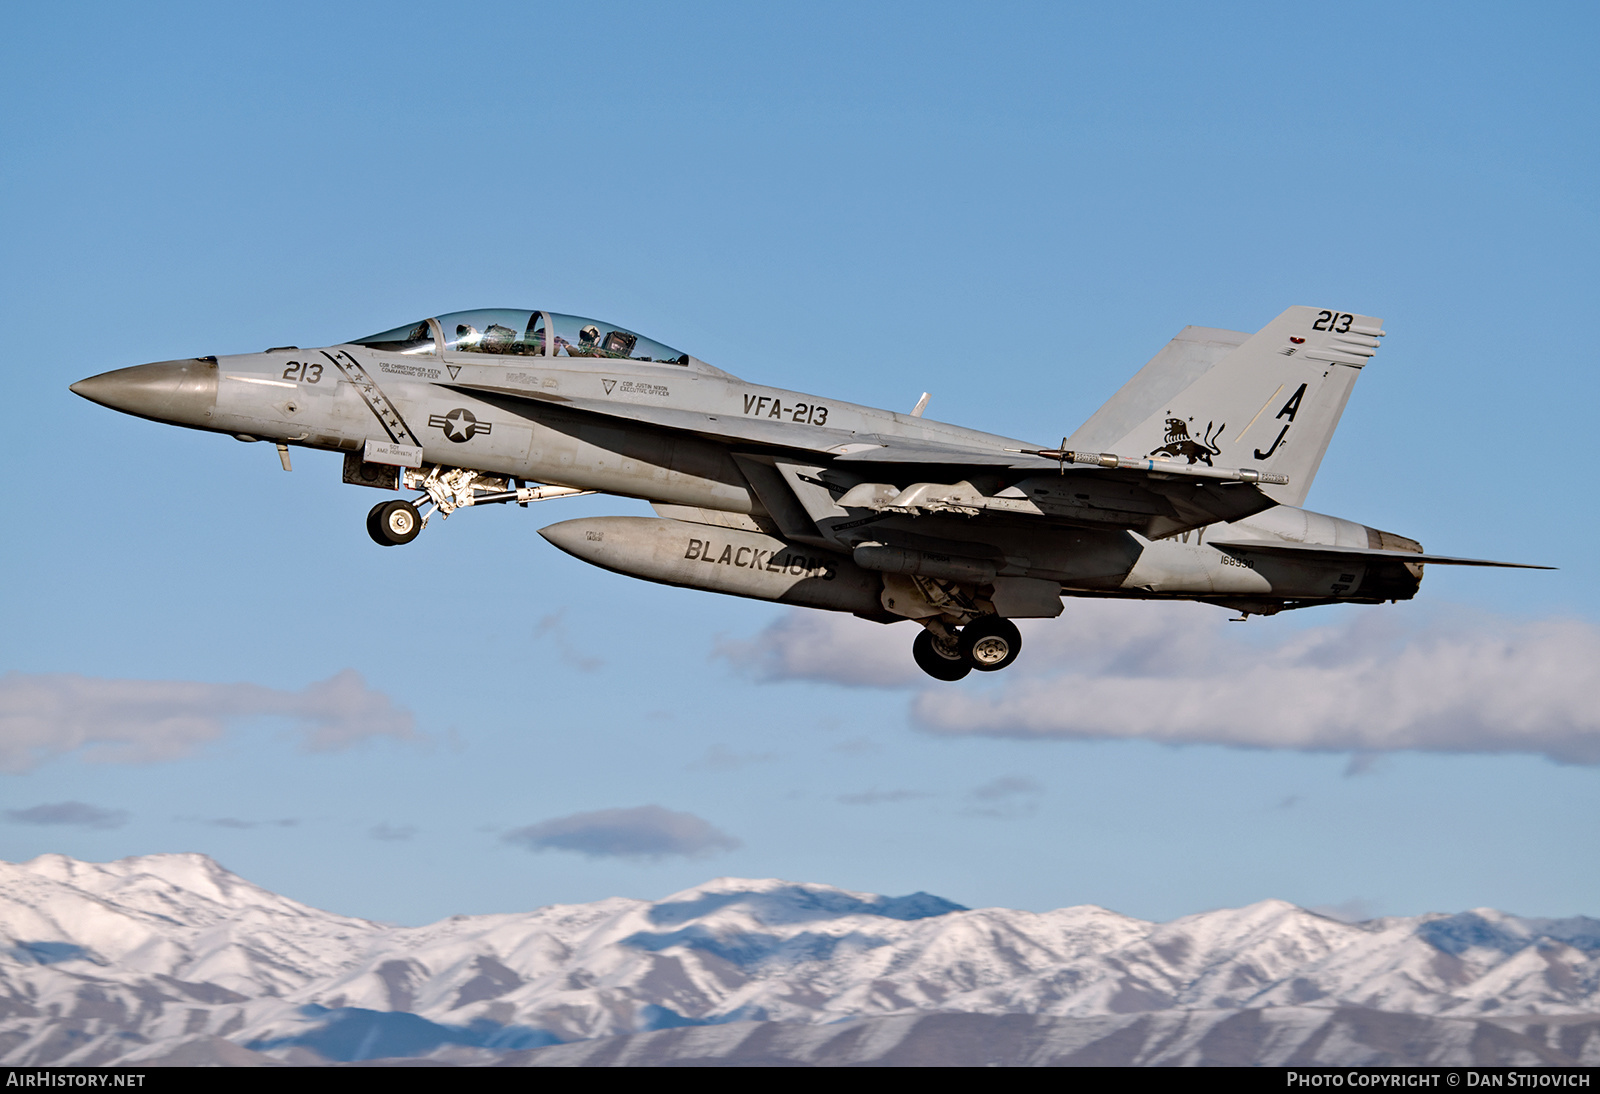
(781, 495)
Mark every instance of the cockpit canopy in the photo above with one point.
(514, 332)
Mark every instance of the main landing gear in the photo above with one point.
(987, 644)
(391, 523)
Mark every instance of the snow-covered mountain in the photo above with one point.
(166, 955)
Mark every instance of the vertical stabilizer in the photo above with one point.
(1269, 401)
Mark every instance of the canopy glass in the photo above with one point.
(515, 332)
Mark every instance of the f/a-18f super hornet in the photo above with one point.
(1187, 485)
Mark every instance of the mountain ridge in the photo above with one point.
(123, 961)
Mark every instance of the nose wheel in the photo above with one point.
(987, 644)
(392, 523)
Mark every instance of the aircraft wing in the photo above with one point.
(1157, 497)
(851, 447)
(1357, 554)
(760, 431)
(841, 444)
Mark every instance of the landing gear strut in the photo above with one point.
(987, 644)
(392, 523)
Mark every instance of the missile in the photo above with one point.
(720, 560)
(1146, 463)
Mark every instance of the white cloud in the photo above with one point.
(73, 814)
(555, 627)
(1007, 786)
(646, 832)
(720, 757)
(881, 797)
(1354, 910)
(141, 721)
(1373, 682)
(1006, 797)
(241, 825)
(838, 649)
(392, 833)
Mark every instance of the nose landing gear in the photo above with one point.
(392, 523)
(987, 644)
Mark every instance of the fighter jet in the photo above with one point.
(1187, 485)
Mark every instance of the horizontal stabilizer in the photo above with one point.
(1327, 550)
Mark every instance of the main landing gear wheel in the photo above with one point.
(392, 523)
(937, 664)
(990, 643)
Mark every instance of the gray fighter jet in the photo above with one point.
(1187, 485)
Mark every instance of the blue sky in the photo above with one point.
(1012, 207)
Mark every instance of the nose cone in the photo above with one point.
(178, 392)
(569, 536)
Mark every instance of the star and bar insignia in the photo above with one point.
(460, 424)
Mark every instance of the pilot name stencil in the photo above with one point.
(530, 380)
(636, 387)
(420, 372)
(459, 425)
